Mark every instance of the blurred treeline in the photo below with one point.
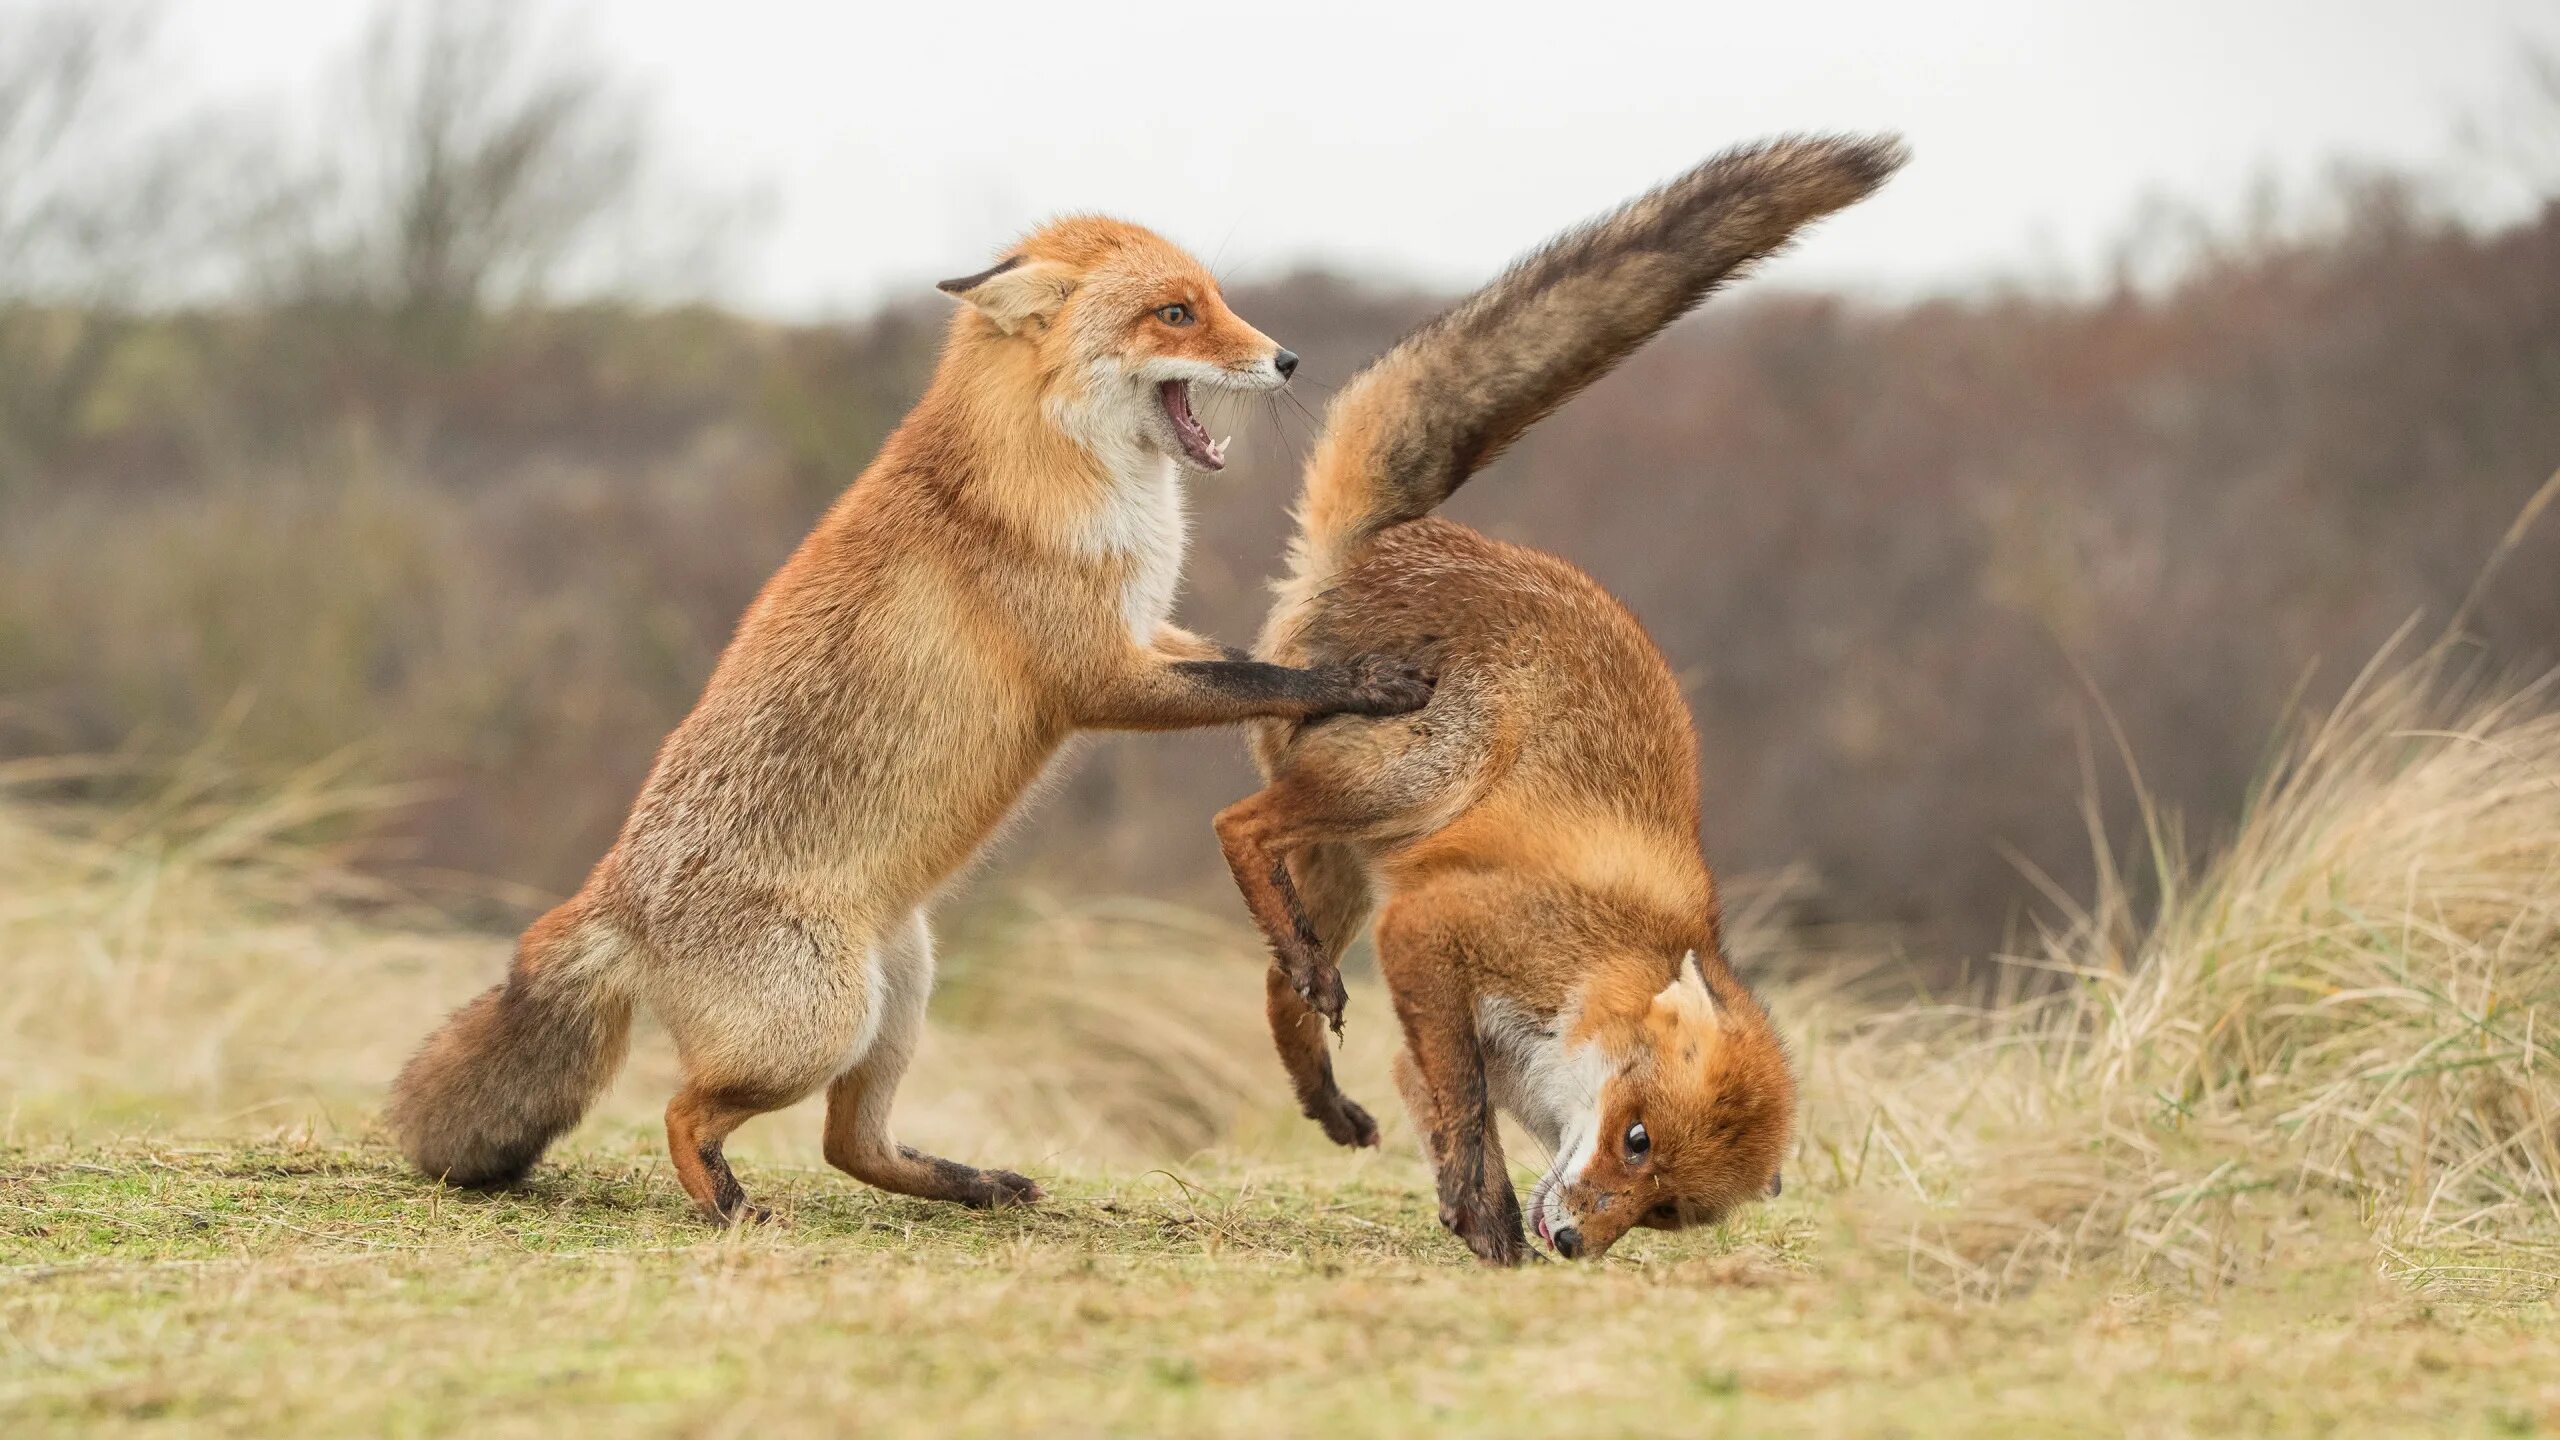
(357, 450)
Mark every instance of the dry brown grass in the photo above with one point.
(2343, 1019)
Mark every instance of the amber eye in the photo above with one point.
(1174, 314)
(1639, 1144)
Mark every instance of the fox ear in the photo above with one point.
(1688, 996)
(1014, 293)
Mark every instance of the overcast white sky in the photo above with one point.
(900, 143)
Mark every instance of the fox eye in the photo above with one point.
(1176, 315)
(1639, 1144)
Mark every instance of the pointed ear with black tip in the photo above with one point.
(1014, 294)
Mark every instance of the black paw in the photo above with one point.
(1505, 1252)
(1018, 1189)
(1319, 983)
(967, 1184)
(1491, 1240)
(1002, 1190)
(1344, 1121)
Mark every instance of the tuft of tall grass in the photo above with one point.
(2347, 1018)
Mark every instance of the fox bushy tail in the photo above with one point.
(1451, 396)
(517, 1067)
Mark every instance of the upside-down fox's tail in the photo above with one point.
(1451, 396)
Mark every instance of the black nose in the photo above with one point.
(1569, 1243)
(1286, 362)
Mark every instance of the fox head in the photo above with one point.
(1120, 327)
(1691, 1118)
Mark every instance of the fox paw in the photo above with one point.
(1344, 1121)
(1319, 983)
(968, 1185)
(1006, 1189)
(1488, 1237)
(1503, 1252)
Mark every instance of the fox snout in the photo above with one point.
(1266, 366)
(1564, 1229)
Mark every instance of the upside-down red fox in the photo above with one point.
(999, 577)
(1547, 925)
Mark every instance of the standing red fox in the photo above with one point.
(999, 578)
(1549, 932)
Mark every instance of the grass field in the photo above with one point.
(2274, 1153)
(288, 1288)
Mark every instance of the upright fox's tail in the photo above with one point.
(1454, 394)
(515, 1069)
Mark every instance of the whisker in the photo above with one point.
(1278, 416)
(1220, 275)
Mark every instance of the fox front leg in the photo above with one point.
(1152, 690)
(1477, 1202)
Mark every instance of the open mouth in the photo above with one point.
(1206, 453)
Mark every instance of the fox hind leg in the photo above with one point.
(858, 1141)
(1334, 887)
(1258, 835)
(773, 999)
(1343, 781)
(698, 1125)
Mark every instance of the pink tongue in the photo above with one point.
(1195, 440)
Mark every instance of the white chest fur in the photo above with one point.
(1142, 524)
(1549, 1087)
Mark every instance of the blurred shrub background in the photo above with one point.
(348, 451)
